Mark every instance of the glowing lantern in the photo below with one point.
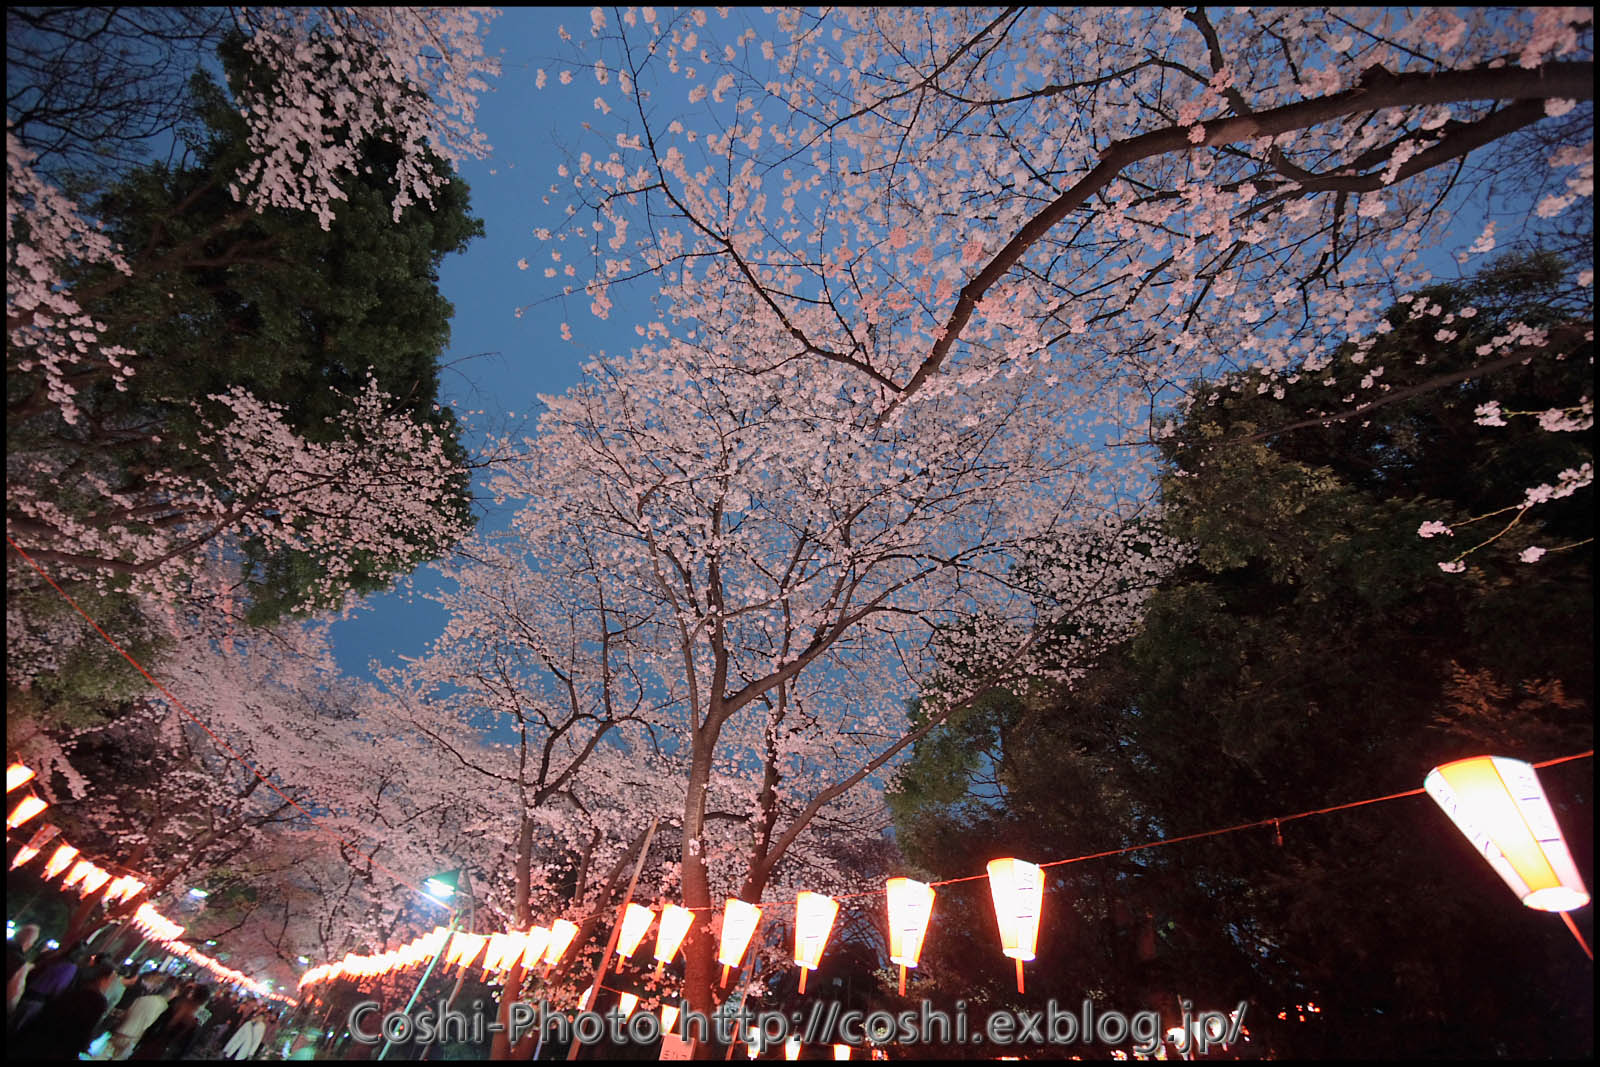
(94, 881)
(18, 775)
(627, 1002)
(813, 922)
(669, 1017)
(59, 860)
(636, 920)
(1500, 806)
(26, 809)
(739, 920)
(674, 925)
(791, 1048)
(1018, 890)
(910, 906)
(41, 837)
(561, 934)
(533, 950)
(841, 1052)
(79, 872)
(467, 948)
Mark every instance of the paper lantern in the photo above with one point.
(41, 837)
(1500, 806)
(26, 809)
(739, 920)
(669, 935)
(791, 1048)
(1018, 890)
(59, 860)
(813, 922)
(468, 947)
(94, 881)
(841, 1052)
(561, 934)
(79, 872)
(910, 906)
(627, 1002)
(636, 920)
(494, 955)
(533, 949)
(669, 1017)
(18, 775)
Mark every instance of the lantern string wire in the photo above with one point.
(192, 717)
(1273, 821)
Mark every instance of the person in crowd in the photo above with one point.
(18, 964)
(172, 1036)
(175, 1032)
(247, 1039)
(64, 1027)
(142, 1014)
(51, 976)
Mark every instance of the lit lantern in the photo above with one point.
(533, 950)
(1018, 890)
(26, 809)
(627, 1002)
(561, 934)
(841, 1052)
(791, 1048)
(669, 935)
(813, 922)
(41, 837)
(636, 920)
(79, 872)
(739, 920)
(18, 775)
(910, 906)
(471, 945)
(1500, 806)
(494, 952)
(669, 1017)
(94, 881)
(59, 860)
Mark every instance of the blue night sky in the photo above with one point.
(498, 364)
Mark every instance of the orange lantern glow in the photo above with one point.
(471, 945)
(26, 809)
(841, 1052)
(813, 922)
(18, 775)
(627, 1002)
(910, 907)
(41, 837)
(739, 921)
(561, 934)
(79, 872)
(669, 935)
(1500, 806)
(59, 860)
(669, 1017)
(636, 920)
(495, 953)
(791, 1048)
(1018, 890)
(533, 948)
(94, 881)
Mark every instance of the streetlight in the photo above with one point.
(442, 888)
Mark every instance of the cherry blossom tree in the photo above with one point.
(1119, 201)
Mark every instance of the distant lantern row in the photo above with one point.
(89, 879)
(1498, 803)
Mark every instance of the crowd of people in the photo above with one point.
(65, 1004)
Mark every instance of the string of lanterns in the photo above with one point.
(1498, 803)
(90, 879)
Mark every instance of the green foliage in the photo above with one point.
(223, 296)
